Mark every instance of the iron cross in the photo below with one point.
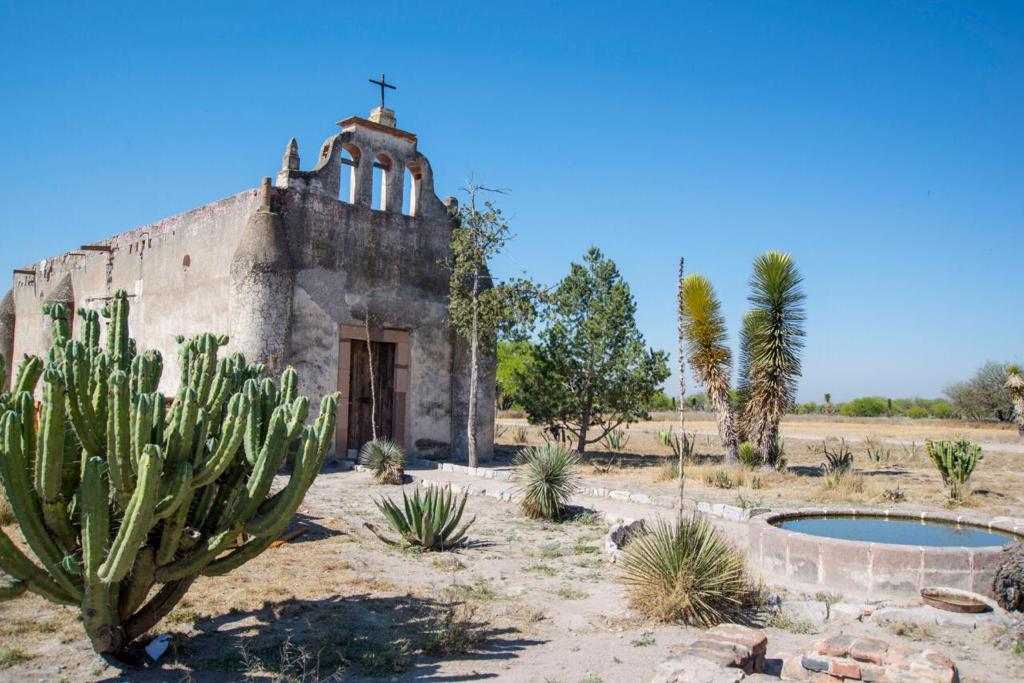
(383, 84)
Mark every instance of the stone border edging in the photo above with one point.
(724, 510)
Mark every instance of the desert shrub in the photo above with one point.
(385, 459)
(665, 437)
(866, 406)
(748, 454)
(616, 439)
(549, 476)
(895, 495)
(916, 412)
(721, 479)
(429, 521)
(456, 631)
(686, 573)
(983, 396)
(519, 434)
(956, 461)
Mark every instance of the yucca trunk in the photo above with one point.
(718, 394)
(1015, 388)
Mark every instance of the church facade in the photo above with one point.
(323, 269)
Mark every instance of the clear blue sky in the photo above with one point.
(879, 142)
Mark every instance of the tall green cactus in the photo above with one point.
(124, 501)
(955, 461)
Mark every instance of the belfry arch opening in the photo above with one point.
(381, 176)
(412, 182)
(349, 163)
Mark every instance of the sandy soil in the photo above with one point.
(528, 601)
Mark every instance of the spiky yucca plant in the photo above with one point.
(549, 476)
(776, 341)
(704, 332)
(429, 521)
(385, 459)
(684, 573)
(1015, 388)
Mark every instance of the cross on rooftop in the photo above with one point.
(383, 84)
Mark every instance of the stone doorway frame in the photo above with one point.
(402, 339)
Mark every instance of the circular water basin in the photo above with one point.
(874, 553)
(897, 530)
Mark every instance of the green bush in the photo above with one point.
(686, 573)
(549, 477)
(867, 406)
(385, 459)
(429, 521)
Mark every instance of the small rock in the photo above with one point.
(809, 611)
(848, 611)
(691, 669)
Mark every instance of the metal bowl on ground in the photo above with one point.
(954, 600)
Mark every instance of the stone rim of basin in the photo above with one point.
(997, 525)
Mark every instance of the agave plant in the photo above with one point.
(616, 439)
(385, 459)
(549, 476)
(703, 329)
(838, 462)
(684, 572)
(519, 434)
(774, 347)
(429, 521)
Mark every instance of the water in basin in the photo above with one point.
(899, 530)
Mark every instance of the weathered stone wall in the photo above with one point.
(174, 270)
(344, 259)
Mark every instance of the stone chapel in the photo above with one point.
(299, 272)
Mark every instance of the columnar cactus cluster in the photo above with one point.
(125, 500)
(955, 461)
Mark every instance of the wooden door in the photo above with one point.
(360, 427)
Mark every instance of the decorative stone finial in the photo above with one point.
(290, 160)
(265, 196)
(384, 116)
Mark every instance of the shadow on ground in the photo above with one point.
(343, 638)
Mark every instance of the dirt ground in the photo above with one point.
(526, 601)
